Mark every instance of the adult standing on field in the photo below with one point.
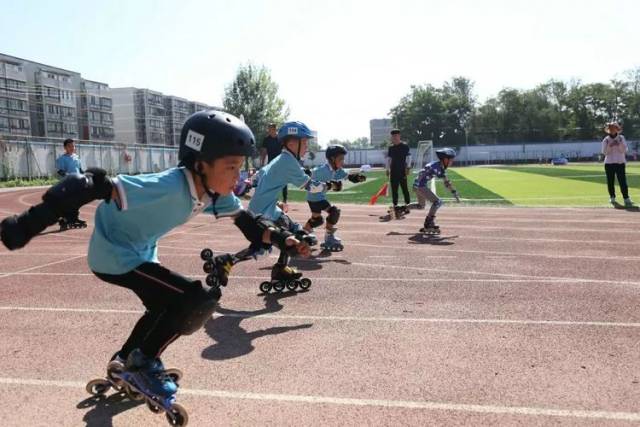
(614, 148)
(398, 162)
(271, 148)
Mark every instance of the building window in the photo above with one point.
(54, 127)
(51, 92)
(4, 123)
(106, 118)
(67, 95)
(105, 103)
(70, 128)
(19, 124)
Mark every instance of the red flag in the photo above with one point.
(381, 192)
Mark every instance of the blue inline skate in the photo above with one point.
(331, 242)
(144, 378)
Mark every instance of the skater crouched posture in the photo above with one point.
(124, 245)
(435, 169)
(333, 173)
(284, 169)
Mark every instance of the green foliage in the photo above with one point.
(254, 95)
(551, 111)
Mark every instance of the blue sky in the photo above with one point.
(338, 63)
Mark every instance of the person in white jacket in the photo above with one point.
(614, 148)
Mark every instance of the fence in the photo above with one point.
(30, 158)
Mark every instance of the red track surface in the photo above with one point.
(512, 317)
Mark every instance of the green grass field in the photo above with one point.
(528, 185)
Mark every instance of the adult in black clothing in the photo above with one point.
(398, 162)
(271, 148)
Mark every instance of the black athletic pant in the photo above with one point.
(168, 298)
(285, 193)
(399, 180)
(613, 170)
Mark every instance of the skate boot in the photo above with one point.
(397, 212)
(404, 209)
(64, 226)
(612, 200)
(331, 242)
(628, 203)
(430, 226)
(284, 276)
(148, 376)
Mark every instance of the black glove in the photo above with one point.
(307, 171)
(356, 177)
(334, 185)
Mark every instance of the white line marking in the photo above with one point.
(341, 279)
(430, 249)
(348, 318)
(385, 403)
(42, 266)
(474, 272)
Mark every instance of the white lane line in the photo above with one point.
(41, 266)
(474, 272)
(429, 249)
(349, 318)
(342, 279)
(345, 401)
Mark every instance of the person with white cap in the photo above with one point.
(614, 148)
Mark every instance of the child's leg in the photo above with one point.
(331, 241)
(175, 306)
(316, 219)
(426, 194)
(422, 198)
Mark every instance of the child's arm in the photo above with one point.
(69, 194)
(451, 188)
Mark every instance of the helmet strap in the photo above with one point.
(203, 180)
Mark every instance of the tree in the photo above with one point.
(439, 114)
(254, 95)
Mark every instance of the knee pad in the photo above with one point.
(438, 203)
(76, 190)
(334, 215)
(315, 221)
(198, 308)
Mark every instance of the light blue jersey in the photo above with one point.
(152, 205)
(69, 164)
(325, 173)
(282, 170)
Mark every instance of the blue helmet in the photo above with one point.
(334, 151)
(294, 129)
(446, 153)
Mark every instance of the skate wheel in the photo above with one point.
(212, 281)
(98, 387)
(153, 407)
(305, 283)
(278, 286)
(133, 394)
(293, 285)
(175, 374)
(177, 415)
(209, 266)
(265, 287)
(206, 254)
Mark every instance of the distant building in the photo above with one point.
(380, 129)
